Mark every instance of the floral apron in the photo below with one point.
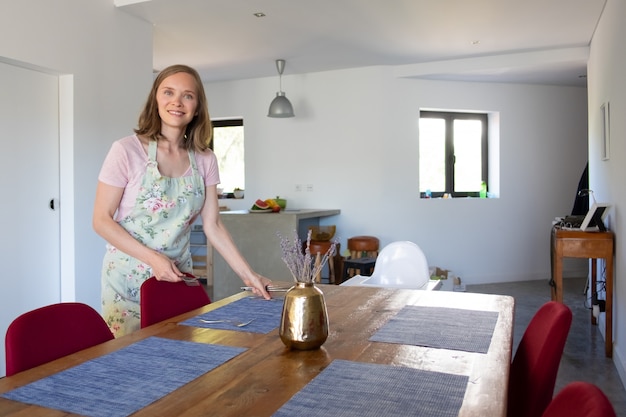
(161, 219)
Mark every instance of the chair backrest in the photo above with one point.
(580, 399)
(400, 264)
(51, 332)
(536, 362)
(161, 300)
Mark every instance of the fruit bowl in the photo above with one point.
(322, 233)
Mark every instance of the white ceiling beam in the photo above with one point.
(493, 62)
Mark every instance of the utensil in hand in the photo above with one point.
(191, 280)
(269, 288)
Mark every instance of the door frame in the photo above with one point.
(66, 175)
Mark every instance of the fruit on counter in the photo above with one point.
(267, 205)
(275, 204)
(281, 202)
(260, 205)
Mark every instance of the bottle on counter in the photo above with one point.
(483, 190)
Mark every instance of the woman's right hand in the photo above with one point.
(165, 269)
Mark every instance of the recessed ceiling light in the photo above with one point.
(259, 14)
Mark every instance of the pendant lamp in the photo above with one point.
(280, 106)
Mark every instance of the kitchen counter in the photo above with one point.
(257, 237)
(298, 214)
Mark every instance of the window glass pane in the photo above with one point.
(432, 154)
(228, 147)
(468, 155)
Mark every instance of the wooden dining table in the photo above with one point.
(259, 381)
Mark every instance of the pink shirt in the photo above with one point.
(125, 166)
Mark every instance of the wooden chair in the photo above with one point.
(580, 399)
(318, 249)
(536, 362)
(51, 332)
(161, 300)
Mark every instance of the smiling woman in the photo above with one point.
(152, 187)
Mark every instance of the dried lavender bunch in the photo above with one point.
(300, 263)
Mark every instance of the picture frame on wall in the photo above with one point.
(606, 129)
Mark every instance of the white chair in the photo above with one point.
(400, 264)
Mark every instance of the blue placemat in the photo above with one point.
(123, 382)
(440, 327)
(265, 313)
(347, 388)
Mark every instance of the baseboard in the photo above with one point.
(618, 360)
(620, 364)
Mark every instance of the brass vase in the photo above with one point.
(304, 322)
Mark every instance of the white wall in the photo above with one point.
(106, 56)
(606, 69)
(354, 138)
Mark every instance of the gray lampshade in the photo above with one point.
(280, 106)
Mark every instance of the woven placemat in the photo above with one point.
(440, 327)
(347, 388)
(264, 313)
(125, 381)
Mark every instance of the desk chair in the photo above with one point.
(161, 300)
(580, 399)
(536, 362)
(51, 332)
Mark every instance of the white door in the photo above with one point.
(29, 185)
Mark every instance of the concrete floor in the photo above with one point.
(583, 358)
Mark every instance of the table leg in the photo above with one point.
(608, 310)
(593, 287)
(557, 287)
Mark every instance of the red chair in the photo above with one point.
(51, 332)
(161, 300)
(536, 362)
(580, 399)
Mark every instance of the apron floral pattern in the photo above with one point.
(161, 219)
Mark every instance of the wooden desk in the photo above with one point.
(259, 381)
(592, 245)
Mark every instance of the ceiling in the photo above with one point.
(530, 41)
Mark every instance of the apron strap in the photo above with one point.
(152, 150)
(192, 162)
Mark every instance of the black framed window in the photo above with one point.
(228, 145)
(453, 154)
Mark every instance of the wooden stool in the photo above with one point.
(364, 265)
(318, 249)
(360, 247)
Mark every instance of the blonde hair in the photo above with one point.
(199, 131)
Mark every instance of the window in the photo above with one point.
(452, 153)
(228, 145)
